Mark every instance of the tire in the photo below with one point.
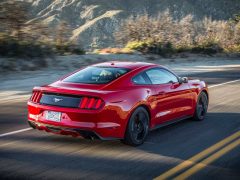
(201, 107)
(137, 129)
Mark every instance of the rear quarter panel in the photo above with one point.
(125, 101)
(197, 87)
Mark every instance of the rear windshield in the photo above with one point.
(96, 75)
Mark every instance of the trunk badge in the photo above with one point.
(57, 99)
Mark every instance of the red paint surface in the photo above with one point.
(118, 100)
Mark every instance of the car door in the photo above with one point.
(172, 99)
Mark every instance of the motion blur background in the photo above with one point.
(47, 28)
(42, 40)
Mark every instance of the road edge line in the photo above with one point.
(15, 132)
(228, 82)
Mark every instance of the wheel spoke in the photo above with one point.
(202, 107)
(138, 129)
(135, 134)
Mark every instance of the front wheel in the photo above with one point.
(201, 107)
(137, 128)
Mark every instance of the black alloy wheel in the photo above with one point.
(137, 128)
(201, 107)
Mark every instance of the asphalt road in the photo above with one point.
(180, 150)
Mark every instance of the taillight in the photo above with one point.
(90, 103)
(36, 96)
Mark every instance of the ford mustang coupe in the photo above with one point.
(116, 100)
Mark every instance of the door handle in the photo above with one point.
(161, 93)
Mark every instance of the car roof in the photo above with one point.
(124, 64)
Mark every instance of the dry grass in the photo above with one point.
(114, 51)
(164, 34)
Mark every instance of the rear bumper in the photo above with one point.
(75, 132)
(102, 124)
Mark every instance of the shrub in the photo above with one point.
(11, 47)
(166, 35)
(114, 51)
(151, 47)
(68, 49)
(138, 45)
(20, 37)
(207, 49)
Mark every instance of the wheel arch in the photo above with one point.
(132, 111)
(127, 136)
(147, 109)
(206, 92)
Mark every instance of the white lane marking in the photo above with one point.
(15, 132)
(27, 129)
(228, 82)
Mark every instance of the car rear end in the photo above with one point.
(80, 114)
(70, 108)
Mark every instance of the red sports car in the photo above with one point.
(116, 100)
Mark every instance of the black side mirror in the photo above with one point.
(183, 80)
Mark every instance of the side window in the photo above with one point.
(161, 76)
(139, 79)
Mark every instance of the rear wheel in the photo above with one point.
(201, 107)
(137, 128)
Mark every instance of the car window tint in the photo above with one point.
(96, 75)
(139, 79)
(161, 76)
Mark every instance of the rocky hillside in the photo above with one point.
(94, 21)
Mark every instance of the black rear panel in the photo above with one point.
(60, 100)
